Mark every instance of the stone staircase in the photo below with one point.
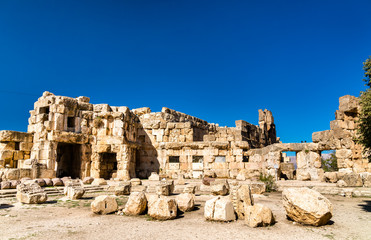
(51, 191)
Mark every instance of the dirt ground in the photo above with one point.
(73, 220)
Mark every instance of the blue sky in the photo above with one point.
(217, 60)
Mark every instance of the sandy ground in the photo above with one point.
(73, 220)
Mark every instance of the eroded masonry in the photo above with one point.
(72, 137)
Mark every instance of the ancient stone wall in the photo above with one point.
(341, 137)
(176, 143)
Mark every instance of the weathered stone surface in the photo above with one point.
(31, 193)
(41, 182)
(99, 182)
(219, 209)
(14, 183)
(88, 180)
(163, 189)
(104, 204)
(331, 177)
(341, 183)
(257, 188)
(163, 208)
(185, 201)
(123, 189)
(154, 177)
(48, 182)
(352, 180)
(136, 204)
(189, 189)
(135, 182)
(243, 198)
(57, 182)
(73, 189)
(306, 206)
(219, 189)
(6, 185)
(258, 216)
(366, 178)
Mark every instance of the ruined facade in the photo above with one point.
(72, 137)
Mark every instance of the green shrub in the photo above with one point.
(270, 183)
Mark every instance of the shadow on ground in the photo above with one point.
(366, 206)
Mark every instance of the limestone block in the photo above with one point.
(6, 185)
(243, 198)
(99, 182)
(307, 206)
(343, 153)
(57, 182)
(185, 202)
(341, 183)
(348, 103)
(123, 189)
(219, 189)
(352, 180)
(189, 189)
(14, 183)
(88, 180)
(31, 194)
(48, 182)
(219, 209)
(163, 208)
(136, 204)
(331, 177)
(74, 190)
(163, 189)
(154, 177)
(135, 182)
(104, 204)
(257, 187)
(12, 174)
(258, 216)
(41, 182)
(366, 178)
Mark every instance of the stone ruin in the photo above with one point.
(72, 137)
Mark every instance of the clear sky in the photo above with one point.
(220, 61)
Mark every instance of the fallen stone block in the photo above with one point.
(219, 189)
(163, 208)
(99, 182)
(257, 188)
(104, 204)
(136, 204)
(88, 180)
(135, 182)
(331, 177)
(243, 198)
(74, 189)
(185, 202)
(304, 205)
(48, 182)
(6, 185)
(352, 180)
(189, 189)
(154, 177)
(123, 189)
(219, 209)
(258, 216)
(163, 189)
(57, 182)
(31, 193)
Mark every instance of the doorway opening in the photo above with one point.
(68, 160)
(108, 165)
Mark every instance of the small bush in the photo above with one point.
(269, 180)
(330, 164)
